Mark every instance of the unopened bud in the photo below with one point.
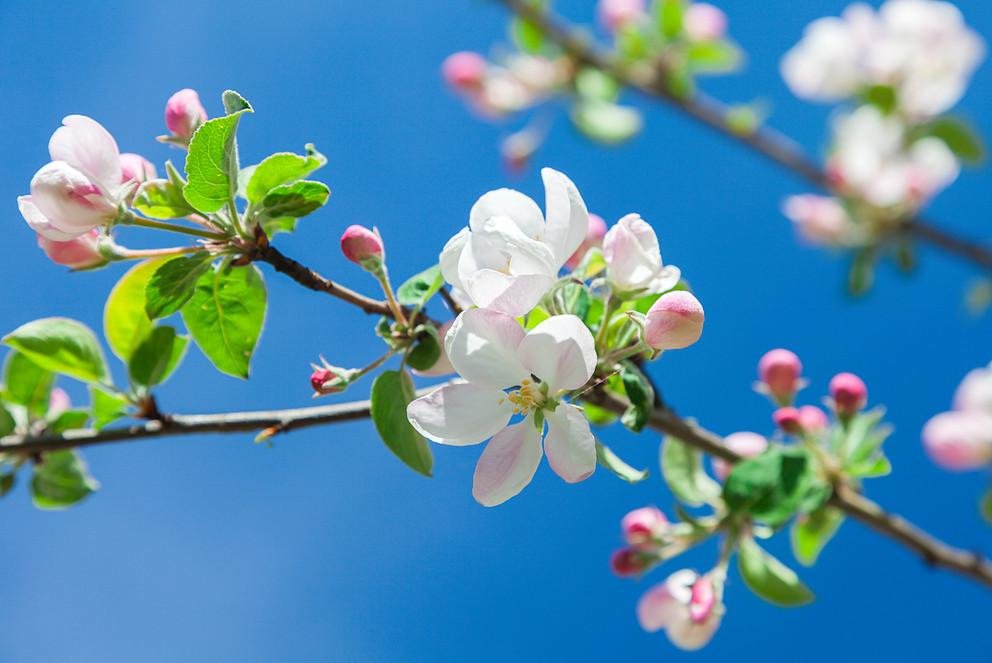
(329, 380)
(643, 527)
(779, 372)
(137, 168)
(813, 419)
(184, 113)
(628, 562)
(704, 22)
(674, 322)
(849, 393)
(788, 419)
(464, 70)
(362, 247)
(614, 14)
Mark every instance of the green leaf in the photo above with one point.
(639, 393)
(7, 422)
(225, 316)
(173, 283)
(769, 578)
(279, 169)
(234, 102)
(392, 391)
(882, 97)
(682, 467)
(598, 416)
(60, 480)
(605, 122)
(106, 408)
(125, 323)
(7, 480)
(862, 273)
(774, 486)
(418, 289)
(162, 199)
(713, 56)
(615, 464)
(631, 42)
(669, 15)
(810, 533)
(68, 420)
(157, 357)
(959, 137)
(212, 161)
(27, 384)
(284, 224)
(62, 346)
(294, 200)
(596, 85)
(985, 507)
(426, 349)
(527, 35)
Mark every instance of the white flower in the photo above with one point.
(686, 606)
(826, 64)
(633, 259)
(499, 363)
(975, 391)
(820, 220)
(510, 254)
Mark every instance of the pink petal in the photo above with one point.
(40, 223)
(460, 414)
(570, 445)
(84, 144)
(508, 464)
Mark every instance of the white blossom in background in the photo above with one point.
(499, 362)
(961, 439)
(510, 254)
(633, 259)
(921, 48)
(821, 220)
(686, 606)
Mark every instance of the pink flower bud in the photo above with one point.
(849, 393)
(518, 148)
(779, 372)
(703, 600)
(745, 444)
(464, 70)
(643, 527)
(674, 322)
(614, 14)
(184, 113)
(594, 238)
(325, 381)
(362, 246)
(80, 253)
(628, 562)
(58, 402)
(787, 418)
(959, 440)
(813, 419)
(704, 22)
(136, 167)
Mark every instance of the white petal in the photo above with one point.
(567, 217)
(69, 199)
(524, 255)
(460, 414)
(508, 463)
(40, 224)
(83, 143)
(666, 602)
(690, 636)
(570, 445)
(509, 203)
(560, 351)
(513, 295)
(450, 255)
(482, 346)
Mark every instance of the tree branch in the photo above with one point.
(710, 112)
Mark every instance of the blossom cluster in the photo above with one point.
(961, 439)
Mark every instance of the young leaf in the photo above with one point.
(105, 407)
(605, 122)
(810, 533)
(985, 507)
(225, 316)
(639, 393)
(960, 138)
(682, 468)
(212, 160)
(284, 224)
(173, 283)
(527, 35)
(157, 356)
(68, 420)
(419, 288)
(279, 169)
(60, 480)
(769, 578)
(7, 422)
(669, 15)
(294, 200)
(161, 199)
(27, 384)
(125, 323)
(713, 56)
(392, 391)
(426, 349)
(7, 480)
(774, 486)
(598, 416)
(615, 464)
(62, 346)
(234, 102)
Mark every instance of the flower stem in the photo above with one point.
(604, 324)
(383, 277)
(133, 220)
(139, 254)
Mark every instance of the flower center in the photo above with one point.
(528, 398)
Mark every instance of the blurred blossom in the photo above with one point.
(745, 444)
(704, 22)
(686, 605)
(962, 438)
(821, 220)
(614, 14)
(975, 391)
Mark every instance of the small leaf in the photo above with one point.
(596, 85)
(161, 199)
(882, 97)
(639, 393)
(279, 169)
(810, 533)
(392, 391)
(774, 486)
(234, 102)
(615, 464)
(418, 289)
(959, 137)
(68, 420)
(713, 56)
(60, 480)
(294, 200)
(682, 468)
(173, 283)
(426, 349)
(284, 224)
(527, 35)
(606, 123)
(225, 316)
(212, 160)
(125, 322)
(769, 578)
(7, 422)
(862, 274)
(669, 15)
(598, 416)
(62, 346)
(985, 507)
(106, 408)
(157, 356)
(27, 384)
(7, 480)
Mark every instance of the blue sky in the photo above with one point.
(325, 547)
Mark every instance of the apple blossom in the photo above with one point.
(959, 440)
(443, 365)
(779, 372)
(83, 252)
(499, 362)
(136, 167)
(464, 70)
(704, 22)
(848, 392)
(643, 527)
(787, 419)
(686, 605)
(362, 247)
(633, 259)
(80, 188)
(510, 254)
(745, 444)
(594, 239)
(820, 220)
(614, 14)
(975, 391)
(184, 113)
(813, 419)
(674, 322)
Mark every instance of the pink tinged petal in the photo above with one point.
(136, 167)
(633, 258)
(959, 441)
(703, 600)
(689, 635)
(84, 144)
(512, 295)
(508, 464)
(523, 254)
(482, 346)
(78, 253)
(745, 444)
(667, 602)
(975, 391)
(68, 199)
(512, 204)
(570, 445)
(559, 351)
(58, 402)
(40, 223)
(567, 216)
(674, 322)
(450, 255)
(460, 414)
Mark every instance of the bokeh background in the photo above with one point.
(325, 547)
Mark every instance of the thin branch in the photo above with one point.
(710, 112)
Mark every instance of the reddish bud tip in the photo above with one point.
(362, 247)
(788, 419)
(674, 322)
(813, 419)
(849, 393)
(184, 113)
(628, 562)
(464, 70)
(326, 381)
(779, 370)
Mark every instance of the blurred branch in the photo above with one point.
(710, 112)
